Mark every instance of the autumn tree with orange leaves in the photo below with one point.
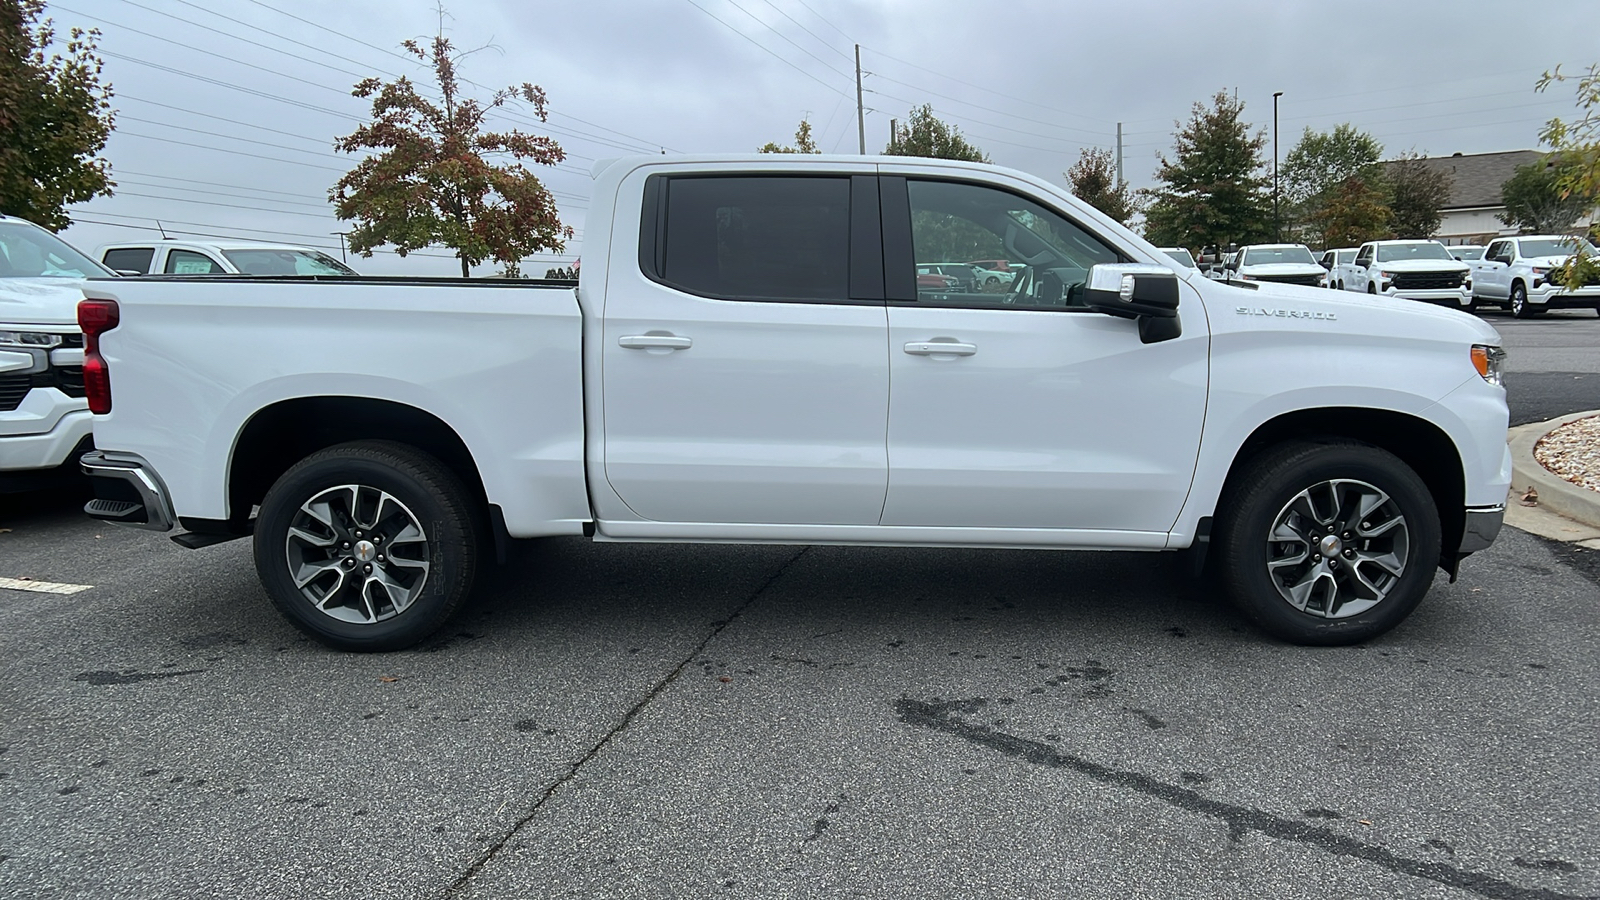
(436, 177)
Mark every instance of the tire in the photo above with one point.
(310, 529)
(1519, 302)
(1341, 285)
(1345, 587)
(1372, 289)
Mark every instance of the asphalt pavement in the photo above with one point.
(692, 721)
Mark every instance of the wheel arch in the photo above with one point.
(1423, 446)
(281, 434)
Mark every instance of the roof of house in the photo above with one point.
(1476, 177)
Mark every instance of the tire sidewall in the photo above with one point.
(445, 532)
(1245, 551)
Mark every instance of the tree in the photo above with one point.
(1212, 191)
(925, 135)
(1416, 193)
(560, 274)
(1094, 180)
(55, 116)
(1535, 202)
(432, 180)
(1316, 172)
(1350, 213)
(802, 142)
(1577, 145)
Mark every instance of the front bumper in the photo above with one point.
(128, 492)
(1460, 298)
(1482, 527)
(1551, 296)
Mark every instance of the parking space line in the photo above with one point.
(41, 587)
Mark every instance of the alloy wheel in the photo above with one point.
(357, 554)
(1338, 548)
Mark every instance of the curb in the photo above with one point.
(1556, 494)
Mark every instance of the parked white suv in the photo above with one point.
(1412, 270)
(173, 257)
(1517, 273)
(44, 419)
(1277, 263)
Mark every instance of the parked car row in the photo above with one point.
(1520, 274)
(991, 275)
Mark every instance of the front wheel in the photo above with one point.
(367, 546)
(1327, 544)
(1520, 307)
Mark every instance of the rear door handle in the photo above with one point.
(940, 348)
(654, 341)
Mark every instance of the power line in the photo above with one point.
(151, 137)
(981, 88)
(765, 48)
(989, 109)
(825, 64)
(194, 24)
(813, 34)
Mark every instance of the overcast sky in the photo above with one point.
(228, 108)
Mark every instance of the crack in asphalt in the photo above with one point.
(941, 716)
(488, 855)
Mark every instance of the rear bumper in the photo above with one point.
(127, 492)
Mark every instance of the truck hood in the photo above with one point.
(40, 301)
(1407, 316)
(1279, 270)
(1549, 261)
(1422, 265)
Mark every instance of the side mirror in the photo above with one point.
(1141, 291)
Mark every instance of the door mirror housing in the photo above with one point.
(1147, 293)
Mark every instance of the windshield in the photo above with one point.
(275, 261)
(1419, 250)
(1467, 253)
(1181, 256)
(1266, 256)
(28, 251)
(1553, 247)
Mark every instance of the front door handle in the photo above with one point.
(654, 342)
(940, 348)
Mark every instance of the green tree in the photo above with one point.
(1094, 180)
(1417, 192)
(925, 135)
(1213, 190)
(1350, 213)
(803, 142)
(1535, 202)
(55, 116)
(562, 274)
(434, 180)
(1316, 173)
(1577, 145)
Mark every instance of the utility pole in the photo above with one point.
(861, 116)
(1119, 154)
(1277, 223)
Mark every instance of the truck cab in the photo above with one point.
(208, 257)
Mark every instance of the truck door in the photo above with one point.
(1024, 409)
(1494, 279)
(744, 360)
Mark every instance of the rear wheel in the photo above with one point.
(367, 546)
(1327, 543)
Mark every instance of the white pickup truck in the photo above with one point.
(45, 423)
(1409, 270)
(747, 358)
(1523, 275)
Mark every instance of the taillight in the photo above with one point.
(96, 317)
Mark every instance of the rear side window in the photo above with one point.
(757, 237)
(130, 259)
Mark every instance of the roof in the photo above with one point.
(1475, 178)
(209, 243)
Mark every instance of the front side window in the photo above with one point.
(130, 259)
(188, 262)
(758, 237)
(1047, 255)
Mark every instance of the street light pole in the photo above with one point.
(1277, 223)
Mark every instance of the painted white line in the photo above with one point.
(41, 587)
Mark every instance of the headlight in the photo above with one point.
(1541, 270)
(1488, 360)
(29, 339)
(1247, 278)
(1386, 275)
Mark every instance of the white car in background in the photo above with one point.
(219, 257)
(1181, 257)
(1518, 274)
(45, 422)
(1334, 262)
(1277, 263)
(1411, 270)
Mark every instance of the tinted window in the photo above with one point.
(187, 262)
(130, 259)
(950, 220)
(758, 238)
